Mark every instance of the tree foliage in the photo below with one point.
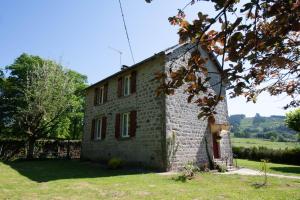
(293, 120)
(41, 99)
(258, 40)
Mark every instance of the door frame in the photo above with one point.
(216, 146)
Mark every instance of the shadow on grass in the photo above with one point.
(292, 170)
(50, 170)
(259, 185)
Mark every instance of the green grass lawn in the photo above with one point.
(251, 142)
(275, 168)
(59, 179)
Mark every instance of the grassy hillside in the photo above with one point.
(272, 128)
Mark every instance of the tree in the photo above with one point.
(257, 119)
(258, 39)
(38, 96)
(293, 120)
(72, 125)
(2, 119)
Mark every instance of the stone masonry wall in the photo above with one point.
(186, 134)
(146, 147)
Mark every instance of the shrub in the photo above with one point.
(114, 163)
(286, 156)
(221, 168)
(189, 170)
(204, 167)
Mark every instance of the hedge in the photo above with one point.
(16, 149)
(284, 156)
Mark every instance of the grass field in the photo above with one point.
(275, 168)
(76, 180)
(251, 142)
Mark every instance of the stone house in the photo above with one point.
(124, 118)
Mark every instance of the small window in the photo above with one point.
(101, 96)
(98, 129)
(125, 125)
(126, 83)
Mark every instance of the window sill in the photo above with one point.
(100, 104)
(131, 94)
(98, 140)
(125, 138)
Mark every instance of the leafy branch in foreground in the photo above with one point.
(258, 40)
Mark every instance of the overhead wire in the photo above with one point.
(127, 35)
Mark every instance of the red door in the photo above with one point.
(216, 146)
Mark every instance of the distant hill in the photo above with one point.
(272, 127)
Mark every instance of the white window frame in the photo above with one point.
(125, 122)
(98, 129)
(101, 95)
(126, 85)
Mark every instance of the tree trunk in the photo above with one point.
(30, 149)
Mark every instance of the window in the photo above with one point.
(126, 84)
(125, 125)
(100, 95)
(98, 129)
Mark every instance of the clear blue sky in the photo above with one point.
(78, 33)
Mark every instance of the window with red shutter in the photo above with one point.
(96, 96)
(93, 129)
(103, 128)
(105, 92)
(120, 87)
(133, 82)
(132, 129)
(117, 125)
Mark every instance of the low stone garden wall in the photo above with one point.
(43, 149)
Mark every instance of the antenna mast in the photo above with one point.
(118, 51)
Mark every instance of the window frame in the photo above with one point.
(127, 135)
(126, 82)
(101, 95)
(98, 129)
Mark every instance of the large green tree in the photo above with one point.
(257, 43)
(71, 126)
(41, 99)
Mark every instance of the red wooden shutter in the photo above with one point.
(132, 123)
(133, 82)
(93, 129)
(103, 130)
(120, 86)
(96, 94)
(105, 92)
(117, 125)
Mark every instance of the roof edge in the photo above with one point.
(125, 70)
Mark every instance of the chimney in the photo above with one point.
(124, 67)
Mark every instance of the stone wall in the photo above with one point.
(188, 134)
(146, 147)
(16, 149)
(168, 133)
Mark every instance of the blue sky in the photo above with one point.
(78, 34)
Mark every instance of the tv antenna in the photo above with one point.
(119, 52)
